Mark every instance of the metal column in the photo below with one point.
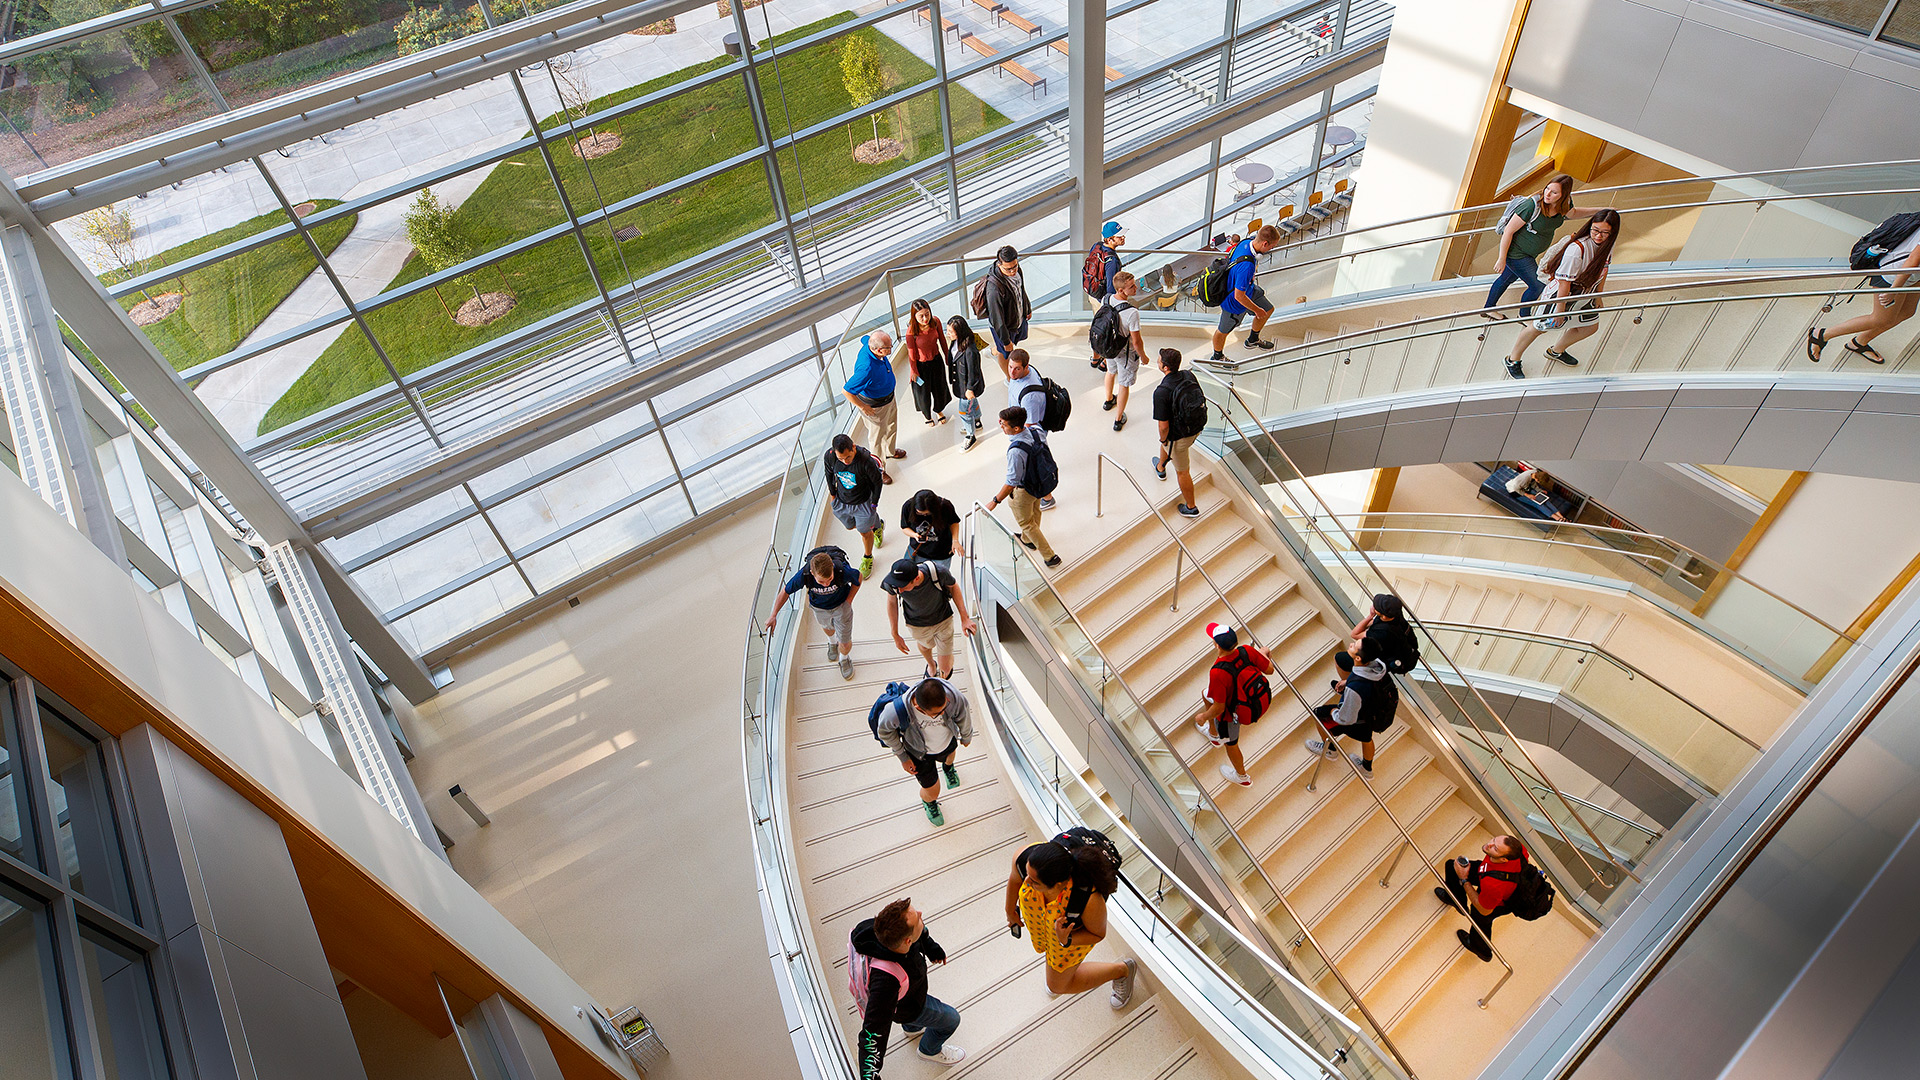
(1086, 121)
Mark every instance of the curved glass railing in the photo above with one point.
(1775, 633)
(1459, 718)
(1657, 718)
(1254, 982)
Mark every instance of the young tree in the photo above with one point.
(113, 240)
(864, 75)
(438, 240)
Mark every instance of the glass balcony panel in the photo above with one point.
(607, 539)
(96, 94)
(256, 53)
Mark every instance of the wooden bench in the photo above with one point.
(1112, 75)
(993, 6)
(1007, 15)
(1038, 84)
(947, 26)
(973, 42)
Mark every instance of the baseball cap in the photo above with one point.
(901, 575)
(1112, 229)
(1387, 604)
(1222, 635)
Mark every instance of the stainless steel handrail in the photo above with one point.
(979, 643)
(1598, 809)
(1588, 646)
(1283, 356)
(1558, 526)
(1306, 932)
(1496, 752)
(1308, 709)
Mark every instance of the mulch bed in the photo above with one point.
(148, 312)
(485, 308)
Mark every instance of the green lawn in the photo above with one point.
(225, 301)
(660, 143)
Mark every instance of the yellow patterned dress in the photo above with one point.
(1039, 915)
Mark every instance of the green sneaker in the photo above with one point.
(866, 568)
(933, 812)
(880, 535)
(953, 776)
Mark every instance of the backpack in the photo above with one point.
(1107, 336)
(894, 695)
(1869, 249)
(1215, 281)
(1379, 701)
(1189, 408)
(1073, 840)
(1043, 473)
(1513, 210)
(1399, 646)
(1059, 403)
(979, 301)
(1250, 687)
(1532, 893)
(860, 966)
(834, 551)
(1093, 273)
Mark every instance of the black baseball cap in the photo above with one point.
(901, 575)
(1387, 604)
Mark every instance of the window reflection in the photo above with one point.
(95, 94)
(33, 1047)
(85, 835)
(124, 1013)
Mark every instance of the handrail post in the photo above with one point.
(1177, 571)
(1099, 487)
(1395, 865)
(1314, 777)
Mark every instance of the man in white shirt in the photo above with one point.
(1123, 369)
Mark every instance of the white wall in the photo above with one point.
(1838, 543)
(1439, 68)
(55, 571)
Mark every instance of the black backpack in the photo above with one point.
(1379, 701)
(1105, 334)
(834, 551)
(1399, 646)
(1871, 248)
(1059, 403)
(1073, 840)
(1532, 893)
(895, 695)
(1214, 287)
(1043, 473)
(1189, 407)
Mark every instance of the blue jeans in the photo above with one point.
(1518, 268)
(938, 1021)
(969, 416)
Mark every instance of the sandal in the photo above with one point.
(1816, 341)
(1866, 351)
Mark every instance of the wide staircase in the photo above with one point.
(1327, 850)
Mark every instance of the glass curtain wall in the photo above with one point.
(567, 238)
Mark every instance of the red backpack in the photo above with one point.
(1251, 692)
(1093, 272)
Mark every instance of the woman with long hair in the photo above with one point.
(969, 382)
(1047, 883)
(926, 342)
(1579, 271)
(1526, 231)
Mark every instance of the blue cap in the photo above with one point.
(1110, 230)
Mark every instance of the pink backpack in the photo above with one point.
(860, 965)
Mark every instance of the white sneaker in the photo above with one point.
(1237, 777)
(1315, 746)
(1206, 731)
(1365, 766)
(948, 1055)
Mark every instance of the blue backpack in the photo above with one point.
(895, 695)
(1043, 473)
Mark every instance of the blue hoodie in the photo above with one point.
(872, 375)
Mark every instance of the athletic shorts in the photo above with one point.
(936, 639)
(927, 769)
(1179, 451)
(1125, 368)
(1359, 732)
(1229, 320)
(1006, 344)
(861, 518)
(1227, 729)
(837, 621)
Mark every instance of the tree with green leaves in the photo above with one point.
(439, 241)
(113, 240)
(864, 74)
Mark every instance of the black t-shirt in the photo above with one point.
(930, 603)
(932, 533)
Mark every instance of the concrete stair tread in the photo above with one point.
(1295, 635)
(1137, 534)
(1275, 614)
(1255, 585)
(1289, 845)
(1346, 864)
(1373, 925)
(1148, 592)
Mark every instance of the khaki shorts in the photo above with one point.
(936, 639)
(1178, 450)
